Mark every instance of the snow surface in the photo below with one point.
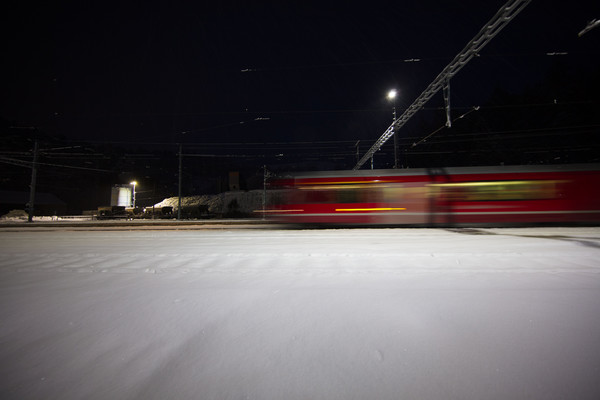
(305, 314)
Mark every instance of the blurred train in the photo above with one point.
(465, 196)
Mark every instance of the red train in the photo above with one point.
(465, 196)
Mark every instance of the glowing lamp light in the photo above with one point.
(392, 94)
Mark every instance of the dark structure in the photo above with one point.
(45, 203)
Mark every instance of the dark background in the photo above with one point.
(110, 90)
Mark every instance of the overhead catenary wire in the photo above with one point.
(444, 126)
(213, 149)
(29, 164)
(487, 33)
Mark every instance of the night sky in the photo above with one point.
(306, 79)
(318, 70)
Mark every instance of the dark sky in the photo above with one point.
(147, 71)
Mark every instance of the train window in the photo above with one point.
(347, 195)
(319, 196)
(295, 197)
(368, 194)
(278, 196)
(392, 194)
(498, 191)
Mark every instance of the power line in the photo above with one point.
(444, 126)
(75, 167)
(29, 164)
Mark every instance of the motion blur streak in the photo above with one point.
(533, 194)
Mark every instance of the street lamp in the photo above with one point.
(392, 97)
(392, 94)
(133, 183)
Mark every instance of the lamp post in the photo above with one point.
(133, 183)
(392, 97)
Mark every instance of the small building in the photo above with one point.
(121, 195)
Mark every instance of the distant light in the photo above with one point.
(392, 94)
(133, 183)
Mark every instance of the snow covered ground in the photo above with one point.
(305, 314)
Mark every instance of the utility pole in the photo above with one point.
(395, 140)
(153, 199)
(34, 166)
(179, 201)
(264, 199)
(392, 97)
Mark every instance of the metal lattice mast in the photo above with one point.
(487, 33)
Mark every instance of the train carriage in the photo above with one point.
(442, 196)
